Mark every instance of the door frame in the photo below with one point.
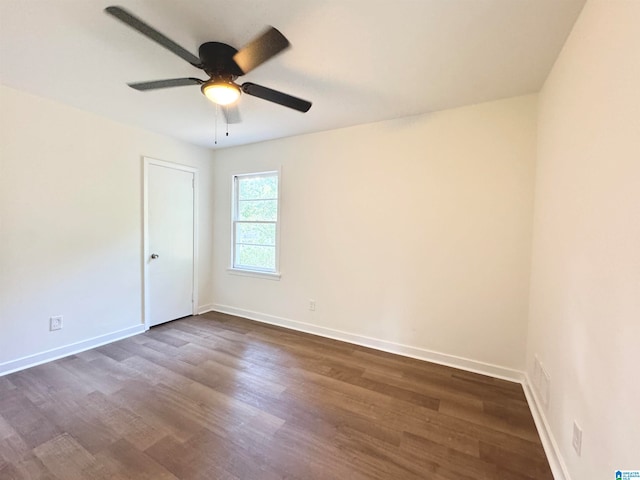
(147, 162)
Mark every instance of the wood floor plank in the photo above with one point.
(187, 463)
(28, 468)
(448, 458)
(65, 458)
(463, 410)
(13, 449)
(225, 398)
(126, 460)
(6, 430)
(122, 420)
(26, 419)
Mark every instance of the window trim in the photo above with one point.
(254, 272)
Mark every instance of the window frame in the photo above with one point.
(235, 201)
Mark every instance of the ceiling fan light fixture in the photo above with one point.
(221, 92)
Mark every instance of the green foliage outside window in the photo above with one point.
(255, 220)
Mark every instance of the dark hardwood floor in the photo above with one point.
(219, 397)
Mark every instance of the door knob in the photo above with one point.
(154, 256)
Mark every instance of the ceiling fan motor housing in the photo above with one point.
(217, 60)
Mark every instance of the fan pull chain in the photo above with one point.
(215, 135)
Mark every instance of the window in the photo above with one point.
(255, 222)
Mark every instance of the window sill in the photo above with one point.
(254, 273)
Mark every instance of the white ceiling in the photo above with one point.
(359, 61)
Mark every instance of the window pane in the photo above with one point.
(261, 210)
(255, 221)
(252, 256)
(257, 187)
(256, 233)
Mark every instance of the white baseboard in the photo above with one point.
(391, 347)
(64, 351)
(205, 308)
(558, 467)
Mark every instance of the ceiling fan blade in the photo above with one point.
(276, 97)
(150, 32)
(260, 49)
(232, 114)
(170, 82)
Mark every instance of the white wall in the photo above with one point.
(71, 222)
(585, 287)
(415, 231)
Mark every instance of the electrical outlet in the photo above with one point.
(577, 438)
(312, 305)
(55, 323)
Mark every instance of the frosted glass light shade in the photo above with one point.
(221, 92)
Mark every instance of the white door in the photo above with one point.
(170, 243)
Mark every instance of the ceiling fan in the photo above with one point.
(223, 63)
